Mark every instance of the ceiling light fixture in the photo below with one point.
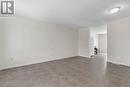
(114, 10)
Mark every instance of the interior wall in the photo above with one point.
(84, 36)
(102, 43)
(94, 31)
(25, 41)
(119, 41)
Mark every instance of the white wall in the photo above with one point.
(25, 41)
(102, 43)
(119, 41)
(84, 42)
(97, 30)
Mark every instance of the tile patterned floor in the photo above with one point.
(70, 72)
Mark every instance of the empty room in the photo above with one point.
(64, 43)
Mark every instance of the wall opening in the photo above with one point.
(98, 41)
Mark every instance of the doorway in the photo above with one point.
(98, 41)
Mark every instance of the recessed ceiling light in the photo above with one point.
(114, 10)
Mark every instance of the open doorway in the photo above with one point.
(98, 41)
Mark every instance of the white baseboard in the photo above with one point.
(30, 63)
(118, 63)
